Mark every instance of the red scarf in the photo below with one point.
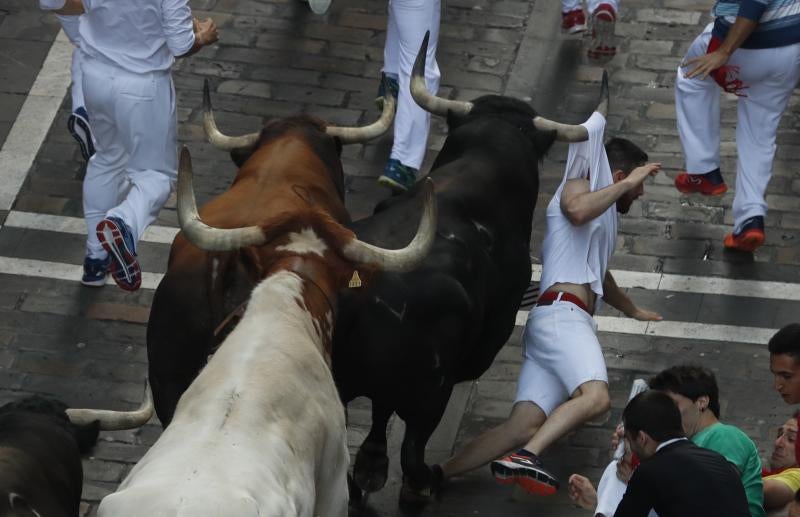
(726, 76)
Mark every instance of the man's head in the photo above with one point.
(784, 362)
(783, 449)
(694, 390)
(651, 418)
(623, 157)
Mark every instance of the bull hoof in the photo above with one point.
(372, 467)
(412, 497)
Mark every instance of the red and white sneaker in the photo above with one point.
(750, 236)
(573, 22)
(708, 184)
(526, 470)
(603, 45)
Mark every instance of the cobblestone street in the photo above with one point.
(276, 58)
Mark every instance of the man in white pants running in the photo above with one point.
(753, 50)
(128, 49)
(406, 26)
(563, 382)
(604, 18)
(78, 121)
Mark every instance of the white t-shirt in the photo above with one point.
(580, 254)
(140, 36)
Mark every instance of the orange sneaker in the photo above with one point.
(750, 237)
(526, 470)
(708, 184)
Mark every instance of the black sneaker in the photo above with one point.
(526, 470)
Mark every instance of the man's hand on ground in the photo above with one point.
(644, 315)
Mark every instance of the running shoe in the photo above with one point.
(603, 45)
(95, 271)
(78, 126)
(708, 184)
(525, 469)
(749, 237)
(117, 240)
(573, 22)
(397, 176)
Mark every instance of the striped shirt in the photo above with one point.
(778, 21)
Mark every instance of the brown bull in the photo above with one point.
(284, 211)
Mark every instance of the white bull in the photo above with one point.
(260, 432)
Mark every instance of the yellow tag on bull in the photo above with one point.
(355, 281)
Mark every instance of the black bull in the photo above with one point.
(410, 337)
(407, 341)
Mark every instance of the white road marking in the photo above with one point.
(674, 329)
(699, 284)
(677, 329)
(61, 271)
(34, 120)
(77, 226)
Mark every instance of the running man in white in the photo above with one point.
(78, 121)
(563, 382)
(129, 48)
(753, 50)
(604, 19)
(406, 26)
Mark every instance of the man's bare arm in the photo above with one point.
(616, 297)
(580, 205)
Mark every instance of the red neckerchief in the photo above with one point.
(797, 444)
(771, 472)
(726, 76)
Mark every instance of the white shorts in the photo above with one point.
(560, 352)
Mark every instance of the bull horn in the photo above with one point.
(217, 138)
(199, 233)
(575, 132)
(411, 256)
(354, 135)
(425, 99)
(115, 420)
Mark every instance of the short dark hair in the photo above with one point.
(690, 380)
(786, 341)
(655, 413)
(624, 155)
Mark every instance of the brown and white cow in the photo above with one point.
(261, 429)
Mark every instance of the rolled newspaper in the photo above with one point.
(638, 386)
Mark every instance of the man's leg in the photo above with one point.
(148, 123)
(697, 106)
(770, 83)
(412, 19)
(525, 419)
(590, 400)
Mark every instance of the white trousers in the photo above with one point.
(610, 491)
(134, 168)
(771, 75)
(406, 26)
(591, 5)
(70, 26)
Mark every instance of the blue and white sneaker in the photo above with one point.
(78, 125)
(95, 271)
(397, 176)
(117, 240)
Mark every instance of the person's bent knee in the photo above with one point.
(595, 396)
